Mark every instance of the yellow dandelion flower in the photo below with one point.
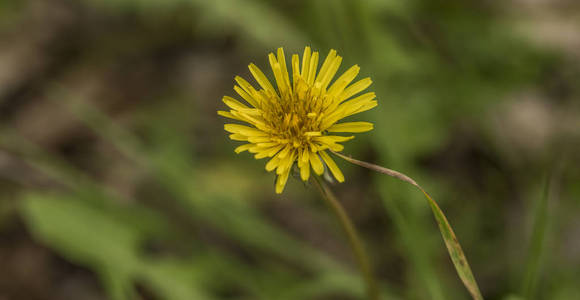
(296, 122)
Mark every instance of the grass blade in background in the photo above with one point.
(536, 244)
(453, 247)
(538, 238)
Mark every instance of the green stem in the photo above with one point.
(353, 238)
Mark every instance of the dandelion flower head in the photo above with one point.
(297, 122)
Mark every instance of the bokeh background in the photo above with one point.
(117, 180)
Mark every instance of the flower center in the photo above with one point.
(295, 116)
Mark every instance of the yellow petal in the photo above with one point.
(254, 149)
(257, 122)
(238, 137)
(360, 100)
(312, 68)
(330, 72)
(329, 139)
(330, 144)
(285, 163)
(246, 86)
(351, 127)
(305, 63)
(348, 108)
(228, 114)
(305, 155)
(267, 145)
(281, 181)
(313, 133)
(250, 99)
(272, 164)
(345, 79)
(263, 153)
(305, 172)
(332, 166)
(243, 148)
(283, 68)
(245, 130)
(295, 69)
(336, 147)
(274, 150)
(259, 139)
(328, 61)
(284, 152)
(317, 165)
(277, 69)
(365, 107)
(261, 79)
(233, 103)
(356, 88)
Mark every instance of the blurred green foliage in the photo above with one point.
(197, 226)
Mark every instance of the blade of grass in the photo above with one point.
(453, 247)
(540, 226)
(536, 244)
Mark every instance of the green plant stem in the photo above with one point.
(353, 238)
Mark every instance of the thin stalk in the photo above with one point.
(453, 247)
(353, 238)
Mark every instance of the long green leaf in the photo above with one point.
(453, 247)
